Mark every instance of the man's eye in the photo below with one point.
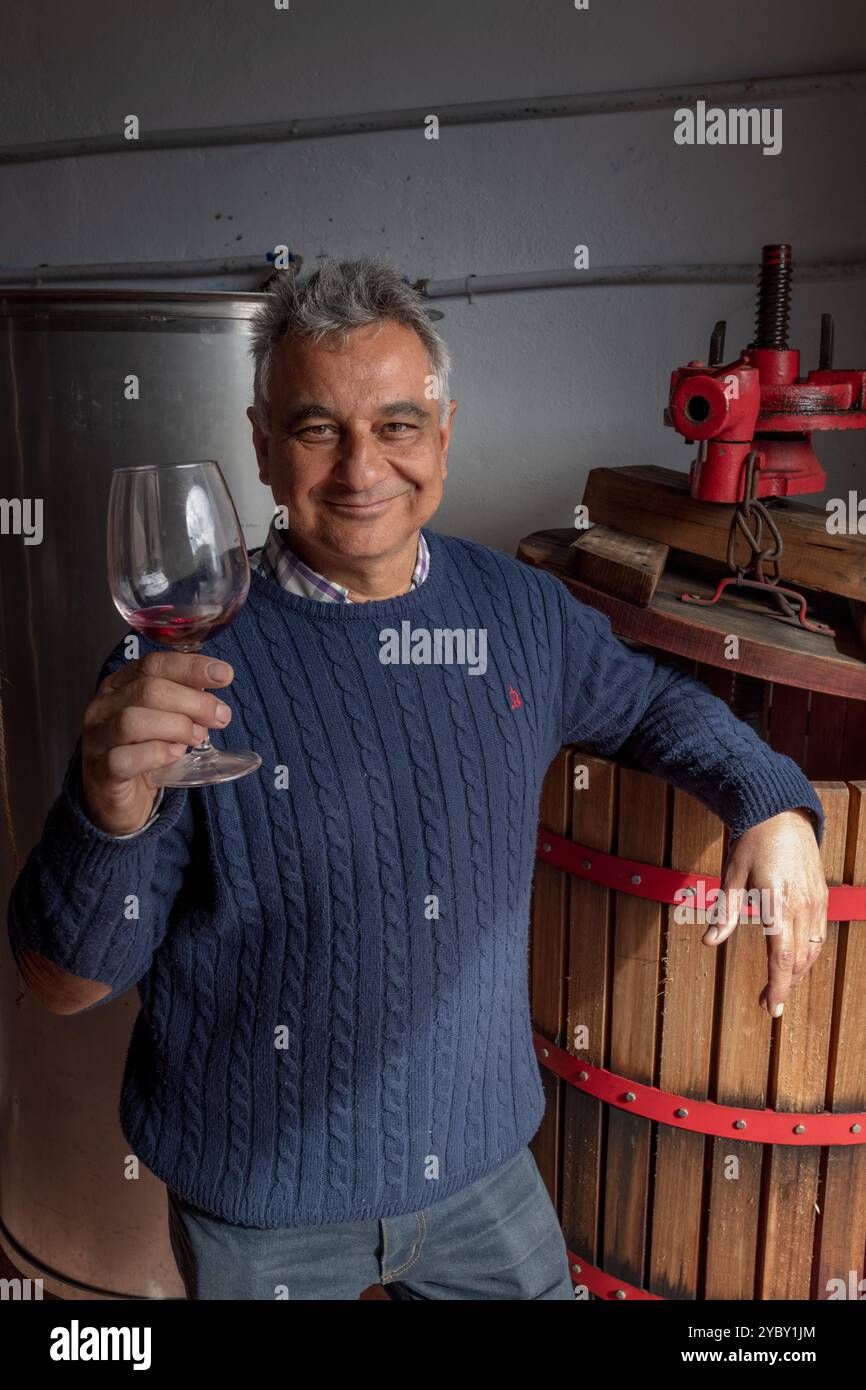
(399, 425)
(312, 429)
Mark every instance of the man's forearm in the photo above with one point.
(691, 738)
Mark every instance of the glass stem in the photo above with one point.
(205, 746)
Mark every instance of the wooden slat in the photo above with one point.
(717, 679)
(548, 945)
(825, 747)
(634, 1020)
(686, 1052)
(854, 741)
(590, 951)
(789, 721)
(842, 1227)
(798, 1079)
(656, 503)
(743, 1053)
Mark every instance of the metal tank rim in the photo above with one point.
(156, 306)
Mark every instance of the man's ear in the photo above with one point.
(260, 443)
(445, 437)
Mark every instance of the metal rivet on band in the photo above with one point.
(586, 863)
(799, 1129)
(546, 848)
(681, 1114)
(630, 1095)
(739, 1124)
(855, 1129)
(621, 1293)
(635, 878)
(583, 1076)
(576, 1269)
(545, 1052)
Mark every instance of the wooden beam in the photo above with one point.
(655, 503)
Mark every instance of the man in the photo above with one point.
(332, 1069)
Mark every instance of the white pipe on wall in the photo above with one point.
(708, 274)
(754, 90)
(461, 286)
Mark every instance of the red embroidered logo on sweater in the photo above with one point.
(515, 699)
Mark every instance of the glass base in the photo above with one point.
(201, 769)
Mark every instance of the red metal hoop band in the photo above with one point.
(847, 903)
(604, 1285)
(701, 1116)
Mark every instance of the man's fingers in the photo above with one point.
(145, 692)
(782, 956)
(811, 935)
(126, 763)
(186, 668)
(132, 725)
(724, 916)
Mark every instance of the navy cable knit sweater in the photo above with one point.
(331, 952)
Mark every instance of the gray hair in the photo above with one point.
(337, 297)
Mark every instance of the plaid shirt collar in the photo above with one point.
(277, 560)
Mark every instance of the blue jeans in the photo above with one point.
(497, 1238)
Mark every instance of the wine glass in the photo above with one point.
(179, 572)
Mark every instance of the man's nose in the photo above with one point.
(360, 460)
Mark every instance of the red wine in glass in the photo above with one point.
(178, 625)
(179, 573)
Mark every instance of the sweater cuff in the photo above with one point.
(777, 784)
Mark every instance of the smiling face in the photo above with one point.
(354, 448)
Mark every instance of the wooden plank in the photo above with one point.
(720, 681)
(590, 953)
(629, 566)
(854, 741)
(743, 1037)
(789, 721)
(683, 663)
(798, 1081)
(825, 745)
(656, 503)
(548, 944)
(770, 647)
(842, 1224)
(686, 1055)
(638, 934)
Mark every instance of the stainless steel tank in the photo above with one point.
(68, 1213)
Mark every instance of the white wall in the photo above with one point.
(549, 383)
